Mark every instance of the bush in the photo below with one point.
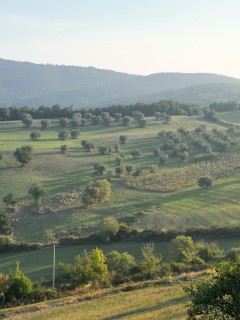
(23, 154)
(45, 123)
(35, 135)
(74, 133)
(205, 182)
(5, 223)
(101, 168)
(63, 135)
(20, 286)
(96, 192)
(233, 254)
(64, 148)
(123, 139)
(119, 170)
(136, 153)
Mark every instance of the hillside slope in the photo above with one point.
(24, 83)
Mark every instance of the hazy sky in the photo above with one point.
(134, 36)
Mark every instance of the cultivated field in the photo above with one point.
(66, 174)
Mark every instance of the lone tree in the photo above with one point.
(218, 297)
(27, 120)
(10, 200)
(87, 145)
(96, 192)
(64, 148)
(136, 153)
(75, 133)
(45, 123)
(63, 135)
(130, 168)
(123, 139)
(120, 170)
(205, 182)
(35, 135)
(37, 191)
(101, 168)
(23, 154)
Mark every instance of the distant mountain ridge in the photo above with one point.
(25, 83)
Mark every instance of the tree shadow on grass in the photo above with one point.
(145, 310)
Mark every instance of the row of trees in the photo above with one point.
(216, 297)
(54, 112)
(99, 270)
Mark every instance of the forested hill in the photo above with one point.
(24, 83)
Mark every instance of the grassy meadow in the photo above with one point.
(64, 176)
(230, 117)
(162, 303)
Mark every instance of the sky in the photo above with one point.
(133, 36)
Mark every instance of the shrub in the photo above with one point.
(45, 123)
(63, 135)
(96, 192)
(123, 139)
(120, 170)
(64, 148)
(205, 182)
(35, 135)
(20, 286)
(136, 153)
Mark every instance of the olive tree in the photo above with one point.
(37, 191)
(101, 168)
(45, 123)
(96, 192)
(205, 182)
(27, 120)
(35, 135)
(23, 154)
(123, 139)
(63, 135)
(136, 153)
(64, 148)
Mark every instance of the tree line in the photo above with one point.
(96, 269)
(56, 111)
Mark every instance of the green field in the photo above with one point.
(38, 264)
(62, 174)
(160, 303)
(230, 116)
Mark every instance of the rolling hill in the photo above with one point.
(24, 83)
